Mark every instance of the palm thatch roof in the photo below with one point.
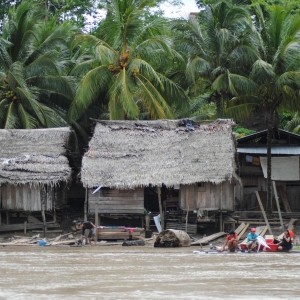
(129, 154)
(34, 156)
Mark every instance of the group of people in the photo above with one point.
(231, 242)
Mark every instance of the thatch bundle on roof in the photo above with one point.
(130, 154)
(34, 156)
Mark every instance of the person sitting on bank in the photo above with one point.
(231, 242)
(251, 239)
(286, 242)
(88, 225)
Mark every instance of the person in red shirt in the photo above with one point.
(231, 242)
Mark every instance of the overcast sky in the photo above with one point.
(174, 12)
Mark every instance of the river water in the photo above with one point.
(116, 272)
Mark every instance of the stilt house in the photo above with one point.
(128, 162)
(33, 169)
(252, 159)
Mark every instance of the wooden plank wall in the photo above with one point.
(246, 193)
(24, 197)
(207, 196)
(117, 201)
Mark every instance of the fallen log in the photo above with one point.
(172, 238)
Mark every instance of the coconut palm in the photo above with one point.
(128, 71)
(220, 46)
(34, 92)
(276, 74)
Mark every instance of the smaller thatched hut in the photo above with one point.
(126, 157)
(33, 168)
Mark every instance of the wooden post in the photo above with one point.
(96, 219)
(186, 217)
(25, 227)
(160, 209)
(97, 223)
(263, 212)
(221, 213)
(278, 206)
(7, 218)
(0, 205)
(43, 200)
(85, 205)
(221, 221)
(54, 202)
(142, 221)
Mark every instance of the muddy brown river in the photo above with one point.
(116, 272)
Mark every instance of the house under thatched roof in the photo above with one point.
(34, 156)
(130, 154)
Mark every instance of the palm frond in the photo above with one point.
(122, 93)
(11, 119)
(95, 81)
(28, 121)
(157, 106)
(262, 72)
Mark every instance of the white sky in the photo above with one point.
(170, 11)
(174, 12)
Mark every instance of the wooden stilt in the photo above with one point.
(7, 218)
(96, 219)
(277, 203)
(43, 200)
(263, 212)
(85, 205)
(25, 227)
(160, 209)
(0, 205)
(53, 204)
(221, 221)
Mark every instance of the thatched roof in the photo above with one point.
(34, 156)
(128, 154)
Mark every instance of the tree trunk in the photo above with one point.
(269, 205)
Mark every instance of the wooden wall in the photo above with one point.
(28, 198)
(246, 198)
(207, 196)
(117, 201)
(20, 197)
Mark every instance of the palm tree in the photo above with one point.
(128, 71)
(276, 74)
(220, 46)
(34, 91)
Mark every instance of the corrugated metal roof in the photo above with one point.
(264, 132)
(286, 150)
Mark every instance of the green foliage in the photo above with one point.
(131, 58)
(219, 47)
(240, 131)
(284, 118)
(33, 85)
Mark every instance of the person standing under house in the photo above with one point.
(251, 239)
(92, 233)
(231, 242)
